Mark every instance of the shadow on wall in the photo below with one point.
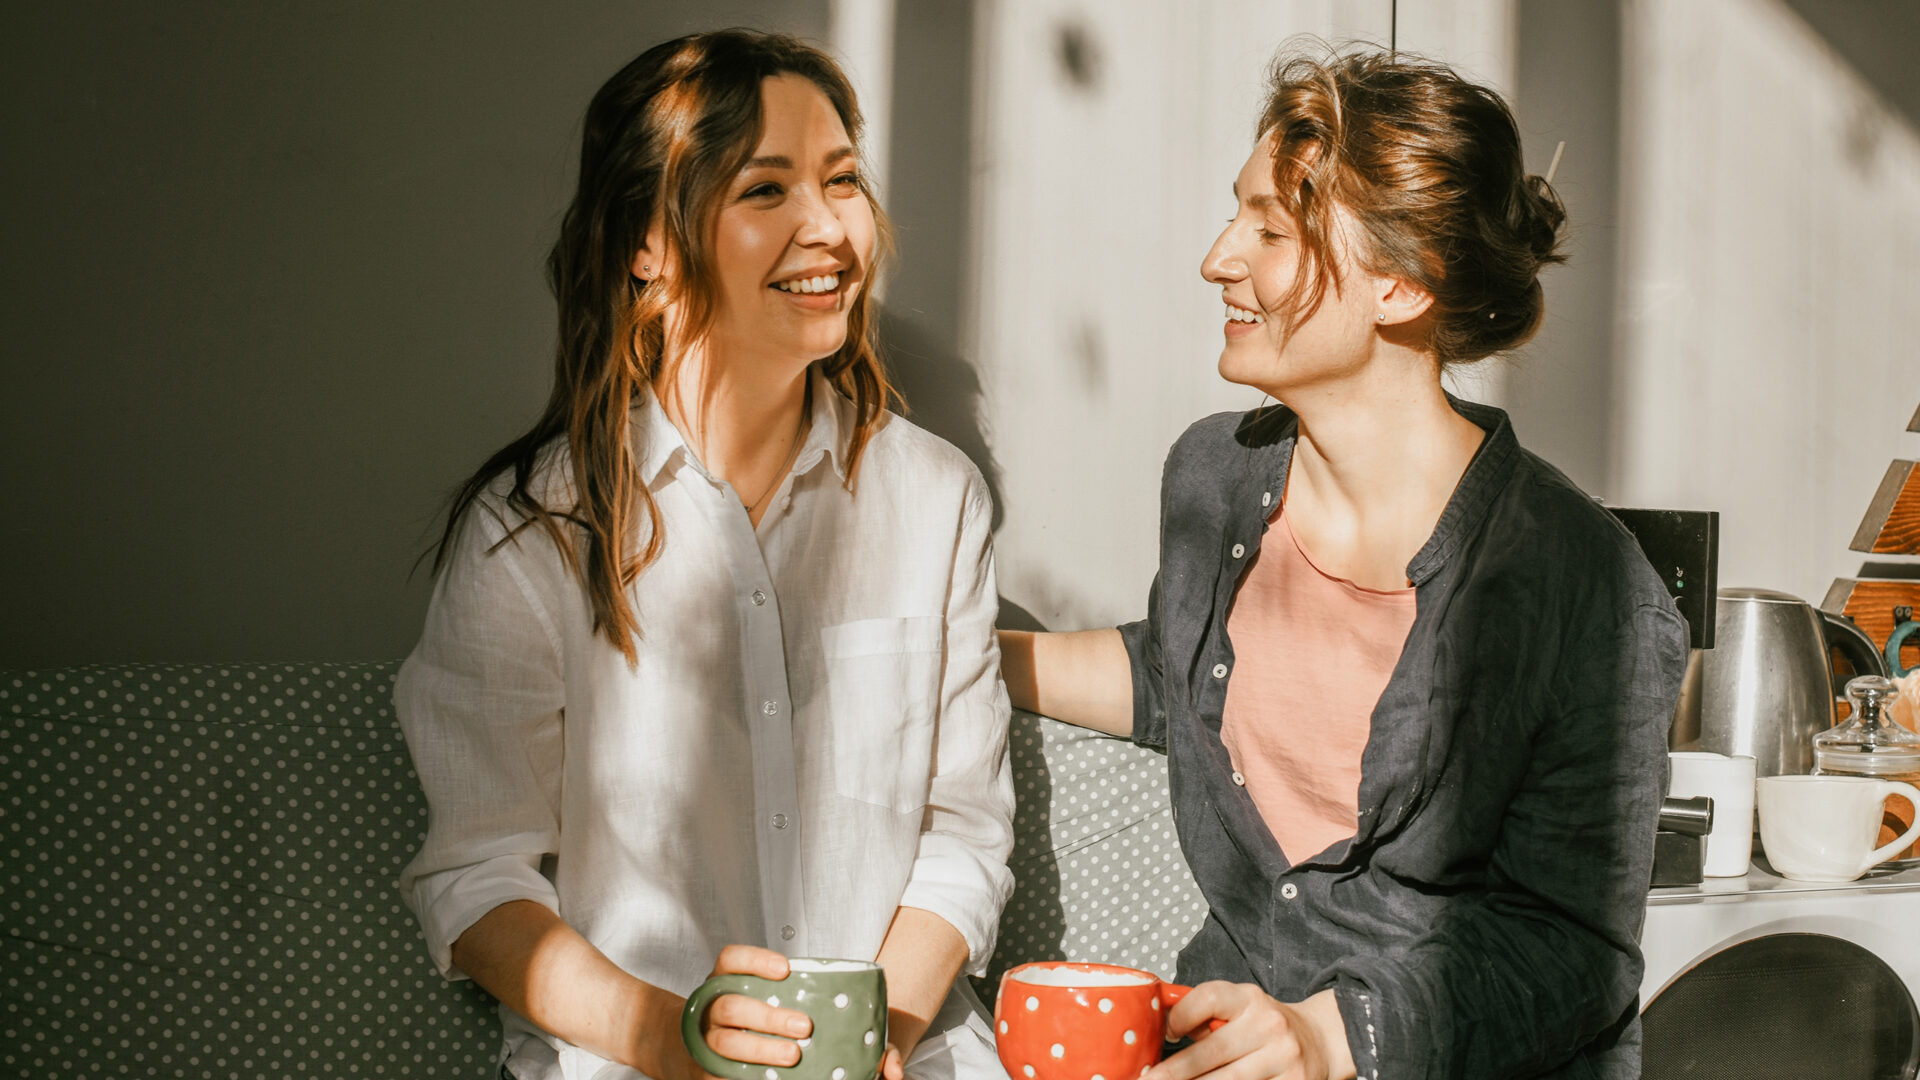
(943, 394)
(1875, 37)
(929, 200)
(922, 320)
(942, 390)
(325, 305)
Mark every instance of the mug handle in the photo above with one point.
(1899, 637)
(696, 1010)
(1170, 995)
(1888, 850)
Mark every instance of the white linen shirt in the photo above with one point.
(815, 733)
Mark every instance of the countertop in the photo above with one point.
(1761, 882)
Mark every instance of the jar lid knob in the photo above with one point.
(1870, 695)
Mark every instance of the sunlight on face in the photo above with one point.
(794, 238)
(1254, 261)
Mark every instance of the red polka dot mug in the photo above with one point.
(1062, 1021)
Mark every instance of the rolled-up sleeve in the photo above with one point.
(480, 703)
(960, 870)
(1516, 981)
(1142, 640)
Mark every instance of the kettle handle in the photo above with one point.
(1855, 645)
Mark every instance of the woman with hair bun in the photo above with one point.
(709, 678)
(1412, 684)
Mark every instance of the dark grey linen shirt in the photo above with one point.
(1483, 921)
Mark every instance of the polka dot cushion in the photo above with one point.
(199, 868)
(198, 865)
(1098, 872)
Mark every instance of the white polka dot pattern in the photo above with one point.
(199, 870)
(1098, 871)
(198, 866)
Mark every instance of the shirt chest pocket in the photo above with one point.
(883, 693)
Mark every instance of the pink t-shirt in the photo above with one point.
(1312, 654)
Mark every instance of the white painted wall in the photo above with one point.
(1771, 253)
(1095, 337)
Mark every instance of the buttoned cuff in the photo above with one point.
(951, 880)
(451, 901)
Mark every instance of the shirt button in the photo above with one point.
(779, 821)
(759, 598)
(1289, 891)
(770, 707)
(1239, 550)
(1239, 779)
(1219, 672)
(786, 933)
(1266, 498)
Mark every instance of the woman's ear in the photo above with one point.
(1397, 302)
(650, 262)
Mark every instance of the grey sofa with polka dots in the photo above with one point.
(199, 870)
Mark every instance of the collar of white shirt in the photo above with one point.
(664, 446)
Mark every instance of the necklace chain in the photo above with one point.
(793, 451)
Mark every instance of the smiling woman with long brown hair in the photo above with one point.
(708, 679)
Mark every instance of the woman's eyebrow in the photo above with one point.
(781, 161)
(1258, 202)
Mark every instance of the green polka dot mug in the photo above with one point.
(846, 999)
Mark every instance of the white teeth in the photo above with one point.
(808, 285)
(1240, 314)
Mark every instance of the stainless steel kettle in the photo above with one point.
(1766, 687)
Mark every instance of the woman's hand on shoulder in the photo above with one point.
(1261, 1038)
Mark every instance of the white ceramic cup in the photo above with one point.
(1728, 781)
(1822, 828)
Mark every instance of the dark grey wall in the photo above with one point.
(271, 287)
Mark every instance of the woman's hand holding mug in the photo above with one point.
(1261, 1037)
(761, 1016)
(744, 1028)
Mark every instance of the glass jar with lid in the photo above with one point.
(1870, 744)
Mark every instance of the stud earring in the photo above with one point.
(1382, 316)
(645, 269)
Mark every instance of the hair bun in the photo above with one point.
(1542, 219)
(1430, 165)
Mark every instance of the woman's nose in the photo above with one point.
(1223, 263)
(820, 223)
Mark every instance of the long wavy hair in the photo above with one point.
(662, 137)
